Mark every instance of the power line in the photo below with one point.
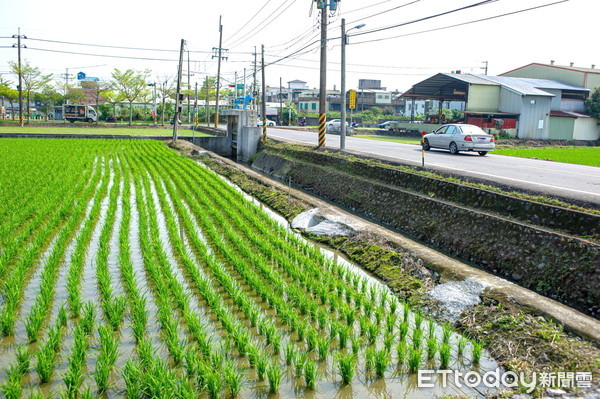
(484, 2)
(385, 11)
(250, 20)
(264, 25)
(462, 23)
(102, 55)
(365, 7)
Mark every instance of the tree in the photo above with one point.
(131, 85)
(113, 98)
(289, 113)
(32, 79)
(592, 104)
(165, 90)
(48, 96)
(97, 88)
(6, 93)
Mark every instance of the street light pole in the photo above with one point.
(343, 83)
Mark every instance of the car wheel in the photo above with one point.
(482, 153)
(426, 145)
(453, 148)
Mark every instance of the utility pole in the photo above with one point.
(189, 73)
(196, 105)
(254, 83)
(219, 50)
(280, 102)
(207, 104)
(264, 98)
(178, 95)
(485, 68)
(18, 36)
(235, 84)
(323, 74)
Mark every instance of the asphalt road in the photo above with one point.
(573, 182)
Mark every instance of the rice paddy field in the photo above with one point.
(127, 270)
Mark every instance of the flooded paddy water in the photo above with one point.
(217, 289)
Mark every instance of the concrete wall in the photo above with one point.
(483, 98)
(586, 129)
(563, 267)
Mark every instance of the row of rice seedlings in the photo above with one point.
(109, 344)
(47, 355)
(75, 374)
(39, 311)
(78, 258)
(12, 387)
(113, 308)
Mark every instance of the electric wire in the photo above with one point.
(384, 11)
(462, 23)
(250, 20)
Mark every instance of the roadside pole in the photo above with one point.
(178, 97)
(323, 75)
(423, 148)
(264, 99)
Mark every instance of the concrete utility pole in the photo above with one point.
(18, 36)
(323, 77)
(207, 103)
(189, 87)
(485, 68)
(280, 102)
(196, 105)
(254, 83)
(264, 98)
(343, 79)
(178, 95)
(219, 50)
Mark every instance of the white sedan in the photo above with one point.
(270, 123)
(459, 137)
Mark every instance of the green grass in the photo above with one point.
(120, 131)
(577, 155)
(393, 139)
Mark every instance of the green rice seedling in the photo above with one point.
(393, 305)
(364, 325)
(402, 352)
(234, 379)
(414, 359)
(11, 387)
(322, 319)
(333, 330)
(381, 362)
(300, 362)
(369, 358)
(132, 375)
(46, 361)
(311, 340)
(38, 394)
(476, 350)
(444, 356)
(350, 316)
(346, 367)
(363, 286)
(311, 374)
(356, 343)
(62, 316)
(373, 332)
(460, 347)
(430, 329)
(23, 358)
(418, 319)
(373, 293)
(390, 322)
(403, 330)
(368, 308)
(417, 337)
(261, 366)
(289, 352)
(379, 315)
(216, 359)
(359, 299)
(301, 331)
(253, 353)
(384, 298)
(343, 334)
(275, 374)
(431, 347)
(446, 333)
(388, 341)
(73, 377)
(323, 347)
(276, 342)
(405, 312)
(214, 385)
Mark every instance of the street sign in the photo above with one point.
(80, 76)
(240, 86)
(352, 99)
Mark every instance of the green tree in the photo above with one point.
(32, 79)
(592, 104)
(290, 114)
(112, 98)
(165, 90)
(49, 97)
(131, 85)
(7, 93)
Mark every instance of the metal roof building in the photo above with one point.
(523, 107)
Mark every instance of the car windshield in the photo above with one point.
(470, 129)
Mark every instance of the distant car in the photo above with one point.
(459, 137)
(270, 123)
(173, 122)
(385, 125)
(335, 125)
(111, 119)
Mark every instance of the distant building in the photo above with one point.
(369, 84)
(576, 76)
(523, 107)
